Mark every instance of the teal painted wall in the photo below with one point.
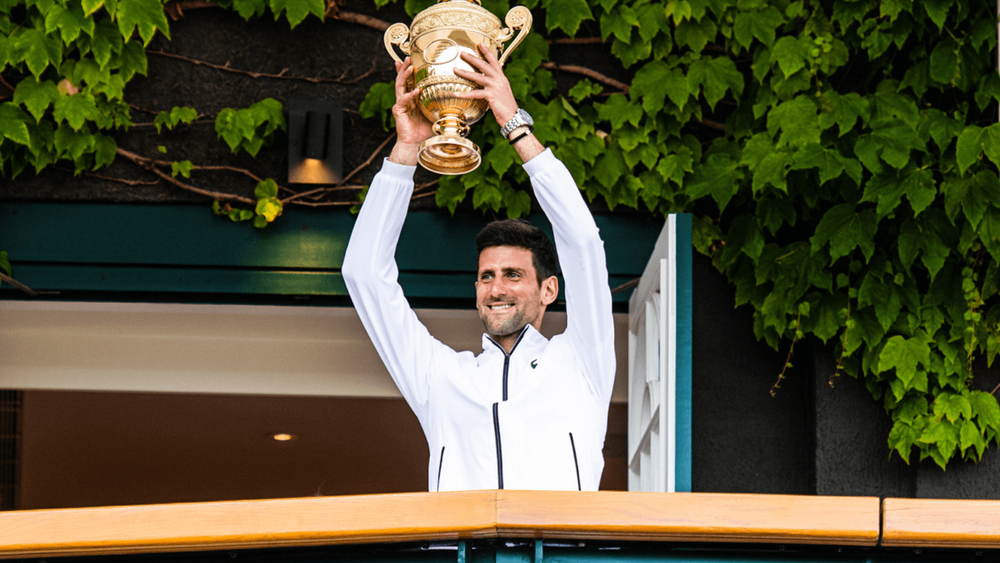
(104, 251)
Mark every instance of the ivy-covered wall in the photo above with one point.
(840, 156)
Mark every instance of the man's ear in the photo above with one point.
(550, 290)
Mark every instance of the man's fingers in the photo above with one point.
(488, 54)
(473, 76)
(477, 62)
(471, 95)
(401, 75)
(406, 102)
(403, 71)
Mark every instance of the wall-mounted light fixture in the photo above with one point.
(315, 141)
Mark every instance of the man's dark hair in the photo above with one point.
(520, 233)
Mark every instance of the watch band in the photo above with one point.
(520, 119)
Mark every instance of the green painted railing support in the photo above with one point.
(461, 552)
(538, 551)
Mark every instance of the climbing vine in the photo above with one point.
(69, 63)
(840, 158)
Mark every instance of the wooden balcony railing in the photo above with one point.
(970, 524)
(612, 516)
(687, 517)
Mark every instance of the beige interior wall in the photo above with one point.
(148, 403)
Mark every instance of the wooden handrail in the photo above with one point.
(689, 517)
(439, 516)
(680, 517)
(246, 524)
(940, 523)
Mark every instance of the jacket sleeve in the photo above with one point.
(370, 273)
(590, 325)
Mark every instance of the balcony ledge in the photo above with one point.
(365, 519)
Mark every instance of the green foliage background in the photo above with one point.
(68, 62)
(851, 196)
(840, 158)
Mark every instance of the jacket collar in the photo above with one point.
(530, 339)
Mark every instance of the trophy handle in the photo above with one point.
(518, 17)
(398, 34)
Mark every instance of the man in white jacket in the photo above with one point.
(527, 412)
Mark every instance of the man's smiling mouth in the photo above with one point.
(501, 306)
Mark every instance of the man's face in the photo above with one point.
(508, 294)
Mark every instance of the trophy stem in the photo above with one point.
(451, 123)
(449, 152)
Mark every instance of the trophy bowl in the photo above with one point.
(434, 41)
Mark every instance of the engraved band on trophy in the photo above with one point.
(434, 41)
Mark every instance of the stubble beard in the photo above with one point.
(512, 325)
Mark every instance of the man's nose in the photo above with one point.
(498, 287)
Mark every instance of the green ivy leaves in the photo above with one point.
(976, 142)
(268, 206)
(74, 59)
(70, 61)
(267, 209)
(963, 423)
(250, 128)
(842, 157)
(295, 10)
(174, 117)
(145, 15)
(14, 124)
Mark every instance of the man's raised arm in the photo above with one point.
(590, 323)
(369, 268)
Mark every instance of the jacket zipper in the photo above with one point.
(506, 357)
(440, 464)
(576, 463)
(496, 431)
(496, 406)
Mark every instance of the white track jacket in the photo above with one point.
(533, 419)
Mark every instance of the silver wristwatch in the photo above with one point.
(520, 118)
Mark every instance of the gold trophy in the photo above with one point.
(434, 41)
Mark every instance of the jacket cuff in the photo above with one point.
(399, 172)
(540, 163)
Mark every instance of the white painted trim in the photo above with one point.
(653, 306)
(669, 286)
(663, 368)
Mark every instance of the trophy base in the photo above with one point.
(449, 154)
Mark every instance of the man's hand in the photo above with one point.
(412, 128)
(496, 90)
